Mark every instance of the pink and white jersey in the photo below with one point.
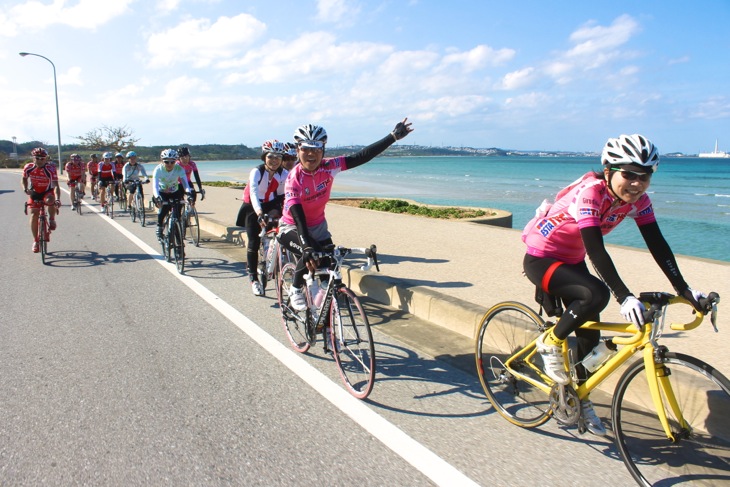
(311, 190)
(587, 202)
(189, 168)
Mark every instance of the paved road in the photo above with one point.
(113, 370)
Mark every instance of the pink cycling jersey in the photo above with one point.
(189, 168)
(311, 190)
(585, 203)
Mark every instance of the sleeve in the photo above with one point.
(156, 182)
(125, 172)
(300, 220)
(368, 153)
(197, 180)
(183, 179)
(663, 255)
(254, 179)
(596, 250)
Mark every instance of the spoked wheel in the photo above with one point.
(43, 239)
(295, 322)
(193, 226)
(78, 202)
(122, 199)
(352, 343)
(506, 329)
(135, 209)
(263, 278)
(140, 209)
(700, 452)
(165, 240)
(177, 246)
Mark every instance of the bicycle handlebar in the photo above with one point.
(339, 252)
(657, 301)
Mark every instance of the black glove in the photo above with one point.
(262, 219)
(694, 298)
(401, 129)
(202, 194)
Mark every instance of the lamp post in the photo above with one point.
(55, 90)
(15, 150)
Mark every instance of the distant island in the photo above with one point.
(222, 152)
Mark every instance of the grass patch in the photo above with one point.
(222, 184)
(400, 206)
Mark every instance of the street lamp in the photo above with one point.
(15, 150)
(55, 90)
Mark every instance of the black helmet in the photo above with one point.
(183, 151)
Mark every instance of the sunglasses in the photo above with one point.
(633, 176)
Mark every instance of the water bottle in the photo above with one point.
(270, 256)
(319, 297)
(599, 355)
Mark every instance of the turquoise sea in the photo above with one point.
(691, 196)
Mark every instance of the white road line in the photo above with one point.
(423, 459)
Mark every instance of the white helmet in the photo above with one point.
(168, 154)
(107, 155)
(630, 149)
(311, 136)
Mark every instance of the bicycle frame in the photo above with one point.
(644, 340)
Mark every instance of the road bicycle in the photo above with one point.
(338, 317)
(77, 197)
(44, 231)
(137, 210)
(271, 255)
(669, 410)
(110, 197)
(121, 195)
(191, 222)
(95, 189)
(172, 241)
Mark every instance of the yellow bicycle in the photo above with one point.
(670, 411)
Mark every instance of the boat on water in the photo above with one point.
(715, 154)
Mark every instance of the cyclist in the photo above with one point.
(303, 227)
(191, 169)
(561, 234)
(40, 183)
(263, 195)
(290, 156)
(75, 174)
(107, 169)
(133, 171)
(168, 183)
(93, 168)
(118, 174)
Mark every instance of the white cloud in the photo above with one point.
(517, 79)
(311, 55)
(71, 77)
(201, 42)
(166, 6)
(477, 58)
(595, 40)
(527, 100)
(86, 14)
(336, 11)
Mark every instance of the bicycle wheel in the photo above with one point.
(506, 329)
(700, 453)
(352, 343)
(193, 224)
(43, 238)
(141, 214)
(263, 278)
(177, 246)
(295, 322)
(134, 210)
(78, 201)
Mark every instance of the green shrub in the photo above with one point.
(400, 206)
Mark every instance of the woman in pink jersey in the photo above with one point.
(303, 227)
(564, 232)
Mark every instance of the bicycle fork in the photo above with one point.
(662, 394)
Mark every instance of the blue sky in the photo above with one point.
(550, 75)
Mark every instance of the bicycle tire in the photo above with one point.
(134, 211)
(177, 244)
(261, 268)
(352, 343)
(504, 330)
(701, 453)
(295, 322)
(141, 213)
(43, 238)
(78, 201)
(122, 198)
(193, 224)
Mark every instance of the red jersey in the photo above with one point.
(74, 171)
(40, 179)
(93, 168)
(106, 171)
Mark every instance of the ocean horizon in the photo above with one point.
(691, 196)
